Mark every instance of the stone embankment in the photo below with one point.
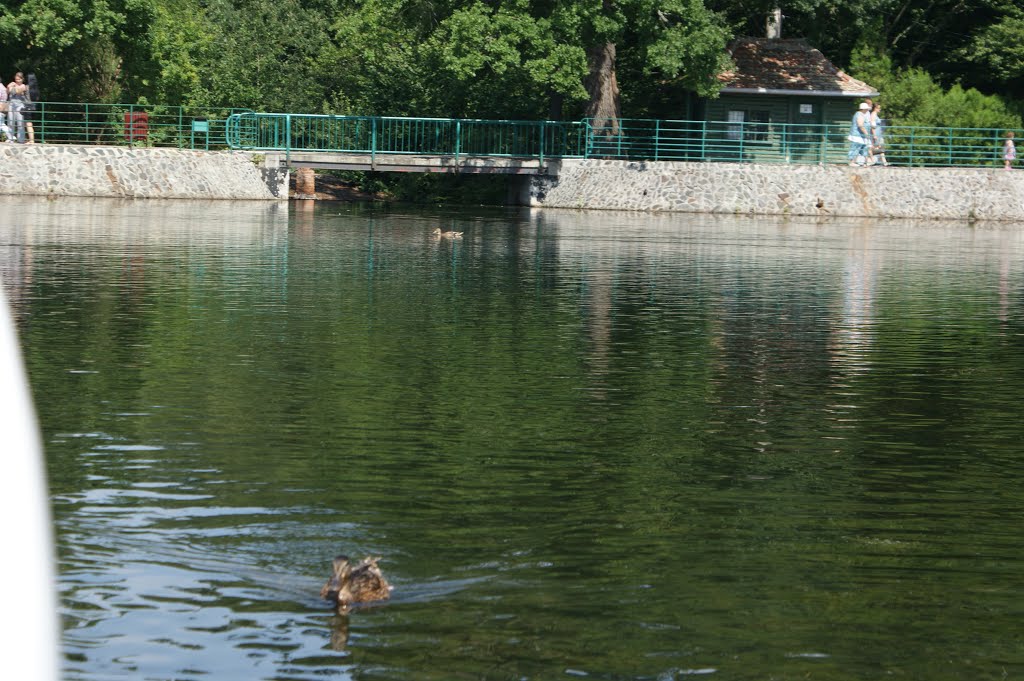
(832, 190)
(136, 173)
(839, 190)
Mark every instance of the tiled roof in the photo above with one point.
(787, 64)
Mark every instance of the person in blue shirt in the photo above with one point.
(860, 135)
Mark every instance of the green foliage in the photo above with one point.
(261, 55)
(681, 41)
(78, 48)
(912, 96)
(180, 38)
(507, 59)
(372, 63)
(499, 58)
(998, 51)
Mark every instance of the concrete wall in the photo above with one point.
(931, 193)
(142, 173)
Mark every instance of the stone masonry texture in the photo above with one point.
(142, 173)
(931, 193)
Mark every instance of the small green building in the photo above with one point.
(782, 101)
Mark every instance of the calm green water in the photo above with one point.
(587, 445)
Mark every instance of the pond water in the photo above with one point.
(586, 445)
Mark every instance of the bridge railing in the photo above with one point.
(768, 142)
(394, 135)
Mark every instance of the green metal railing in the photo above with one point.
(130, 125)
(394, 135)
(631, 139)
(635, 139)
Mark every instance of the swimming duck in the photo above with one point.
(447, 235)
(359, 583)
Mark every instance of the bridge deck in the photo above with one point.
(408, 163)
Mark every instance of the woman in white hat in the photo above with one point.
(860, 135)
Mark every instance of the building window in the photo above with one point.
(735, 130)
(750, 125)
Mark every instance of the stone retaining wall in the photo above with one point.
(932, 193)
(140, 173)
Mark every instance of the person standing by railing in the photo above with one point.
(29, 112)
(860, 135)
(17, 92)
(1009, 152)
(4, 105)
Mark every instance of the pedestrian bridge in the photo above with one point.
(449, 145)
(392, 144)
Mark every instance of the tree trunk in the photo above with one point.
(556, 101)
(603, 109)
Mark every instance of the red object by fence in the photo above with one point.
(136, 125)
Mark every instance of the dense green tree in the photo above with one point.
(181, 38)
(507, 60)
(376, 62)
(911, 96)
(87, 49)
(262, 55)
(995, 53)
(680, 40)
(497, 58)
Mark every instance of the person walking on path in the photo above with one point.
(860, 135)
(1009, 152)
(878, 136)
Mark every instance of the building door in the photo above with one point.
(806, 132)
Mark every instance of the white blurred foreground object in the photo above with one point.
(28, 628)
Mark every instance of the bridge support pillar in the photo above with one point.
(305, 181)
(275, 172)
(529, 190)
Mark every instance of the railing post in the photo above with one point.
(288, 139)
(912, 130)
(949, 146)
(543, 125)
(458, 139)
(373, 141)
(703, 139)
(657, 138)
